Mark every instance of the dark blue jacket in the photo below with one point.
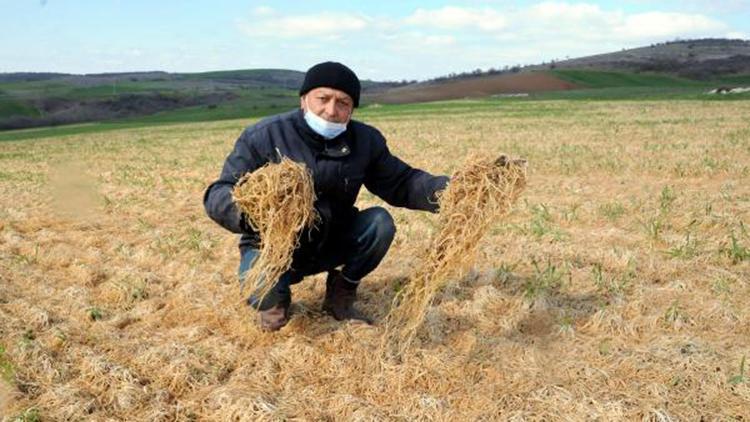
(339, 167)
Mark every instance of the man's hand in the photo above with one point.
(504, 161)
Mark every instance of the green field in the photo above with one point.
(602, 79)
(600, 85)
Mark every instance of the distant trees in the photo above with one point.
(30, 76)
(58, 111)
(476, 73)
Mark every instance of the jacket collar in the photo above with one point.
(335, 148)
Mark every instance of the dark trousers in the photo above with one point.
(359, 246)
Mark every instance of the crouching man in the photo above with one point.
(342, 154)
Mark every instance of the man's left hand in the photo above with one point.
(504, 161)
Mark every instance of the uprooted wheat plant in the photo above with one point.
(478, 194)
(278, 202)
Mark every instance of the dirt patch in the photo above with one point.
(477, 87)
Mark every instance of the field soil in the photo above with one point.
(474, 87)
(615, 290)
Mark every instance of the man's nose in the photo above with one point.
(331, 108)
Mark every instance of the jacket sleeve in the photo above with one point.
(217, 199)
(400, 184)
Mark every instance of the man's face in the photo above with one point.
(331, 104)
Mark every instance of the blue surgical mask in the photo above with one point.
(323, 127)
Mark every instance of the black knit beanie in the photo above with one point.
(332, 75)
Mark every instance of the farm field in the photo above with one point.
(616, 289)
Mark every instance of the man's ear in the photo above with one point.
(302, 102)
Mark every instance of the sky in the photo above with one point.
(383, 40)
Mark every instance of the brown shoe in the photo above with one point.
(340, 297)
(272, 319)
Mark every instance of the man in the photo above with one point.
(342, 154)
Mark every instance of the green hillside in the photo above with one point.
(75, 99)
(735, 80)
(37, 100)
(605, 79)
(13, 107)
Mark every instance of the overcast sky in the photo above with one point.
(378, 39)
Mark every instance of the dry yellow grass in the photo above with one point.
(278, 200)
(616, 288)
(478, 194)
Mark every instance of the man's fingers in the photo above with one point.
(503, 161)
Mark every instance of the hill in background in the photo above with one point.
(703, 59)
(48, 99)
(695, 64)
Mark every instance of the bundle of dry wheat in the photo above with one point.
(278, 201)
(478, 193)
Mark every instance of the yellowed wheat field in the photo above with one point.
(617, 289)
